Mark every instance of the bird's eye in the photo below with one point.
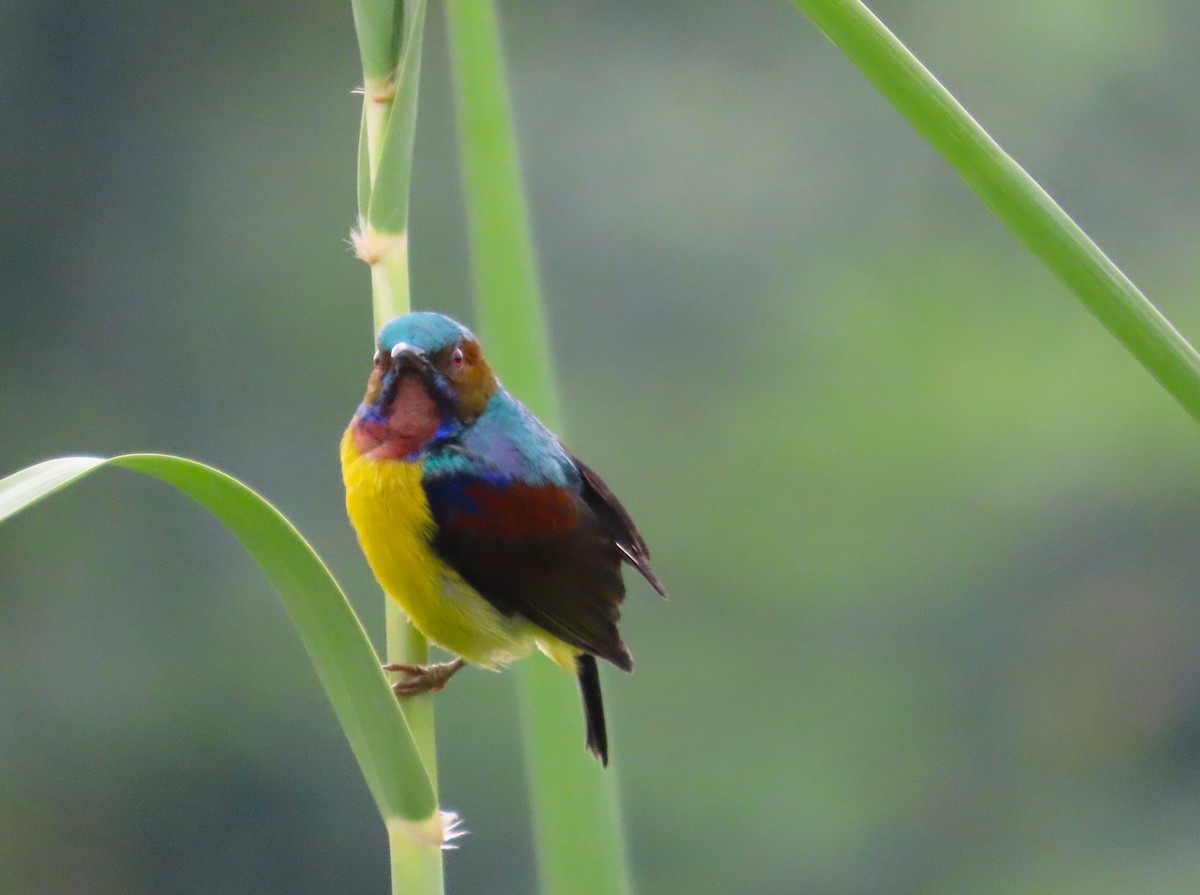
(378, 359)
(456, 358)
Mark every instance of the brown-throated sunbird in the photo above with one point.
(492, 537)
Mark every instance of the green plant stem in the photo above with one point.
(577, 822)
(1015, 197)
(404, 643)
(385, 162)
(390, 37)
(416, 868)
(379, 25)
(388, 136)
(503, 265)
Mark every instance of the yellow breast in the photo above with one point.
(390, 513)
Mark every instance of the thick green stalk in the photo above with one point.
(390, 35)
(577, 822)
(1013, 195)
(416, 867)
(503, 265)
(387, 137)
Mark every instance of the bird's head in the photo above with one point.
(429, 380)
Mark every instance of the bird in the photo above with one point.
(493, 538)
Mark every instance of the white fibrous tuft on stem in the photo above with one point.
(373, 247)
(452, 829)
(438, 830)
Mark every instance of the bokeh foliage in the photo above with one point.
(927, 529)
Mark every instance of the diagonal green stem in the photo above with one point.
(577, 822)
(1014, 196)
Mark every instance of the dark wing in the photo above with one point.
(605, 504)
(539, 551)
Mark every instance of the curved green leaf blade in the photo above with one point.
(345, 663)
(32, 483)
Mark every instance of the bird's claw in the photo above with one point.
(422, 678)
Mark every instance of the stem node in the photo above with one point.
(382, 91)
(439, 830)
(374, 247)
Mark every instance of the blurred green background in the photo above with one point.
(930, 534)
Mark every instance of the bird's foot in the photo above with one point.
(422, 678)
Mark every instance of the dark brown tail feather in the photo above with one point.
(593, 707)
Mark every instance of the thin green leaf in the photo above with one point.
(1014, 196)
(29, 485)
(388, 212)
(363, 173)
(580, 849)
(380, 26)
(345, 663)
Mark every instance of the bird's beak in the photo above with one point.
(405, 354)
(404, 357)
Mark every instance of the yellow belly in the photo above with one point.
(388, 509)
